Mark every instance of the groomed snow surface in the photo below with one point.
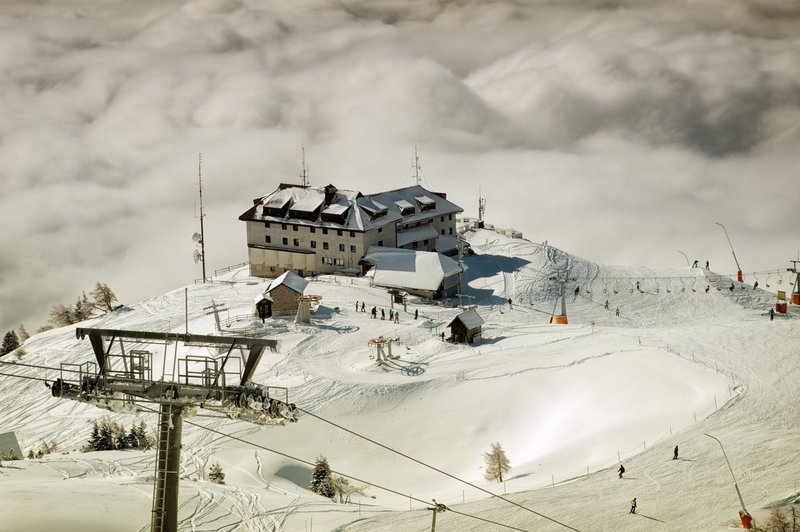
(566, 402)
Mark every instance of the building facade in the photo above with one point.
(313, 230)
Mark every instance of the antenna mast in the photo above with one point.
(481, 208)
(303, 168)
(202, 232)
(417, 176)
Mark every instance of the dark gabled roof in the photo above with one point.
(299, 205)
(421, 204)
(470, 319)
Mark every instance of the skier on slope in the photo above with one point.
(621, 470)
(633, 506)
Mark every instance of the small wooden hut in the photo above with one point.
(465, 327)
(285, 292)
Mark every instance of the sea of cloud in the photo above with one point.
(619, 131)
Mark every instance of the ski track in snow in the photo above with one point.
(328, 370)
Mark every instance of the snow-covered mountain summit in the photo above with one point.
(686, 355)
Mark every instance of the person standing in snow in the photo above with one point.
(771, 314)
(706, 265)
(416, 313)
(637, 286)
(633, 506)
(397, 317)
(675, 453)
(362, 307)
(621, 470)
(374, 314)
(391, 314)
(509, 303)
(606, 304)
(617, 311)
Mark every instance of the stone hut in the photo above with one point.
(465, 327)
(285, 291)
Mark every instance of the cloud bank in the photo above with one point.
(618, 131)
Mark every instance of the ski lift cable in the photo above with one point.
(384, 488)
(311, 464)
(399, 453)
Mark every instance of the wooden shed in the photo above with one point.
(285, 292)
(465, 327)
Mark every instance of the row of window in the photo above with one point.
(332, 262)
(312, 229)
(296, 243)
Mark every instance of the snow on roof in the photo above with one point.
(403, 205)
(470, 318)
(409, 196)
(308, 199)
(337, 208)
(416, 234)
(445, 243)
(290, 279)
(404, 268)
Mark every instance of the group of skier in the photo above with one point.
(621, 471)
(394, 315)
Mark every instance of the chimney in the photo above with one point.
(330, 192)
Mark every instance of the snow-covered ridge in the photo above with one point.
(562, 399)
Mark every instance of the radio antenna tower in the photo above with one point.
(481, 208)
(417, 168)
(200, 238)
(303, 167)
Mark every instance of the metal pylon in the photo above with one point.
(168, 462)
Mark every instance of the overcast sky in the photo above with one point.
(618, 131)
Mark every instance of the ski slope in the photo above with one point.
(567, 403)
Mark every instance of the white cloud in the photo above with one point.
(620, 131)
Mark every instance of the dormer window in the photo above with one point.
(405, 207)
(426, 203)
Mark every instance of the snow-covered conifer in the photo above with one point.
(321, 482)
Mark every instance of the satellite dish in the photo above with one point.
(197, 238)
(197, 256)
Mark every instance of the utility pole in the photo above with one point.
(436, 508)
(201, 238)
(739, 276)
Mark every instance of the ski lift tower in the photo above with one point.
(562, 318)
(124, 377)
(796, 287)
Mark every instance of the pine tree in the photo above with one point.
(497, 463)
(83, 308)
(216, 475)
(321, 482)
(61, 316)
(777, 522)
(10, 342)
(22, 334)
(103, 297)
